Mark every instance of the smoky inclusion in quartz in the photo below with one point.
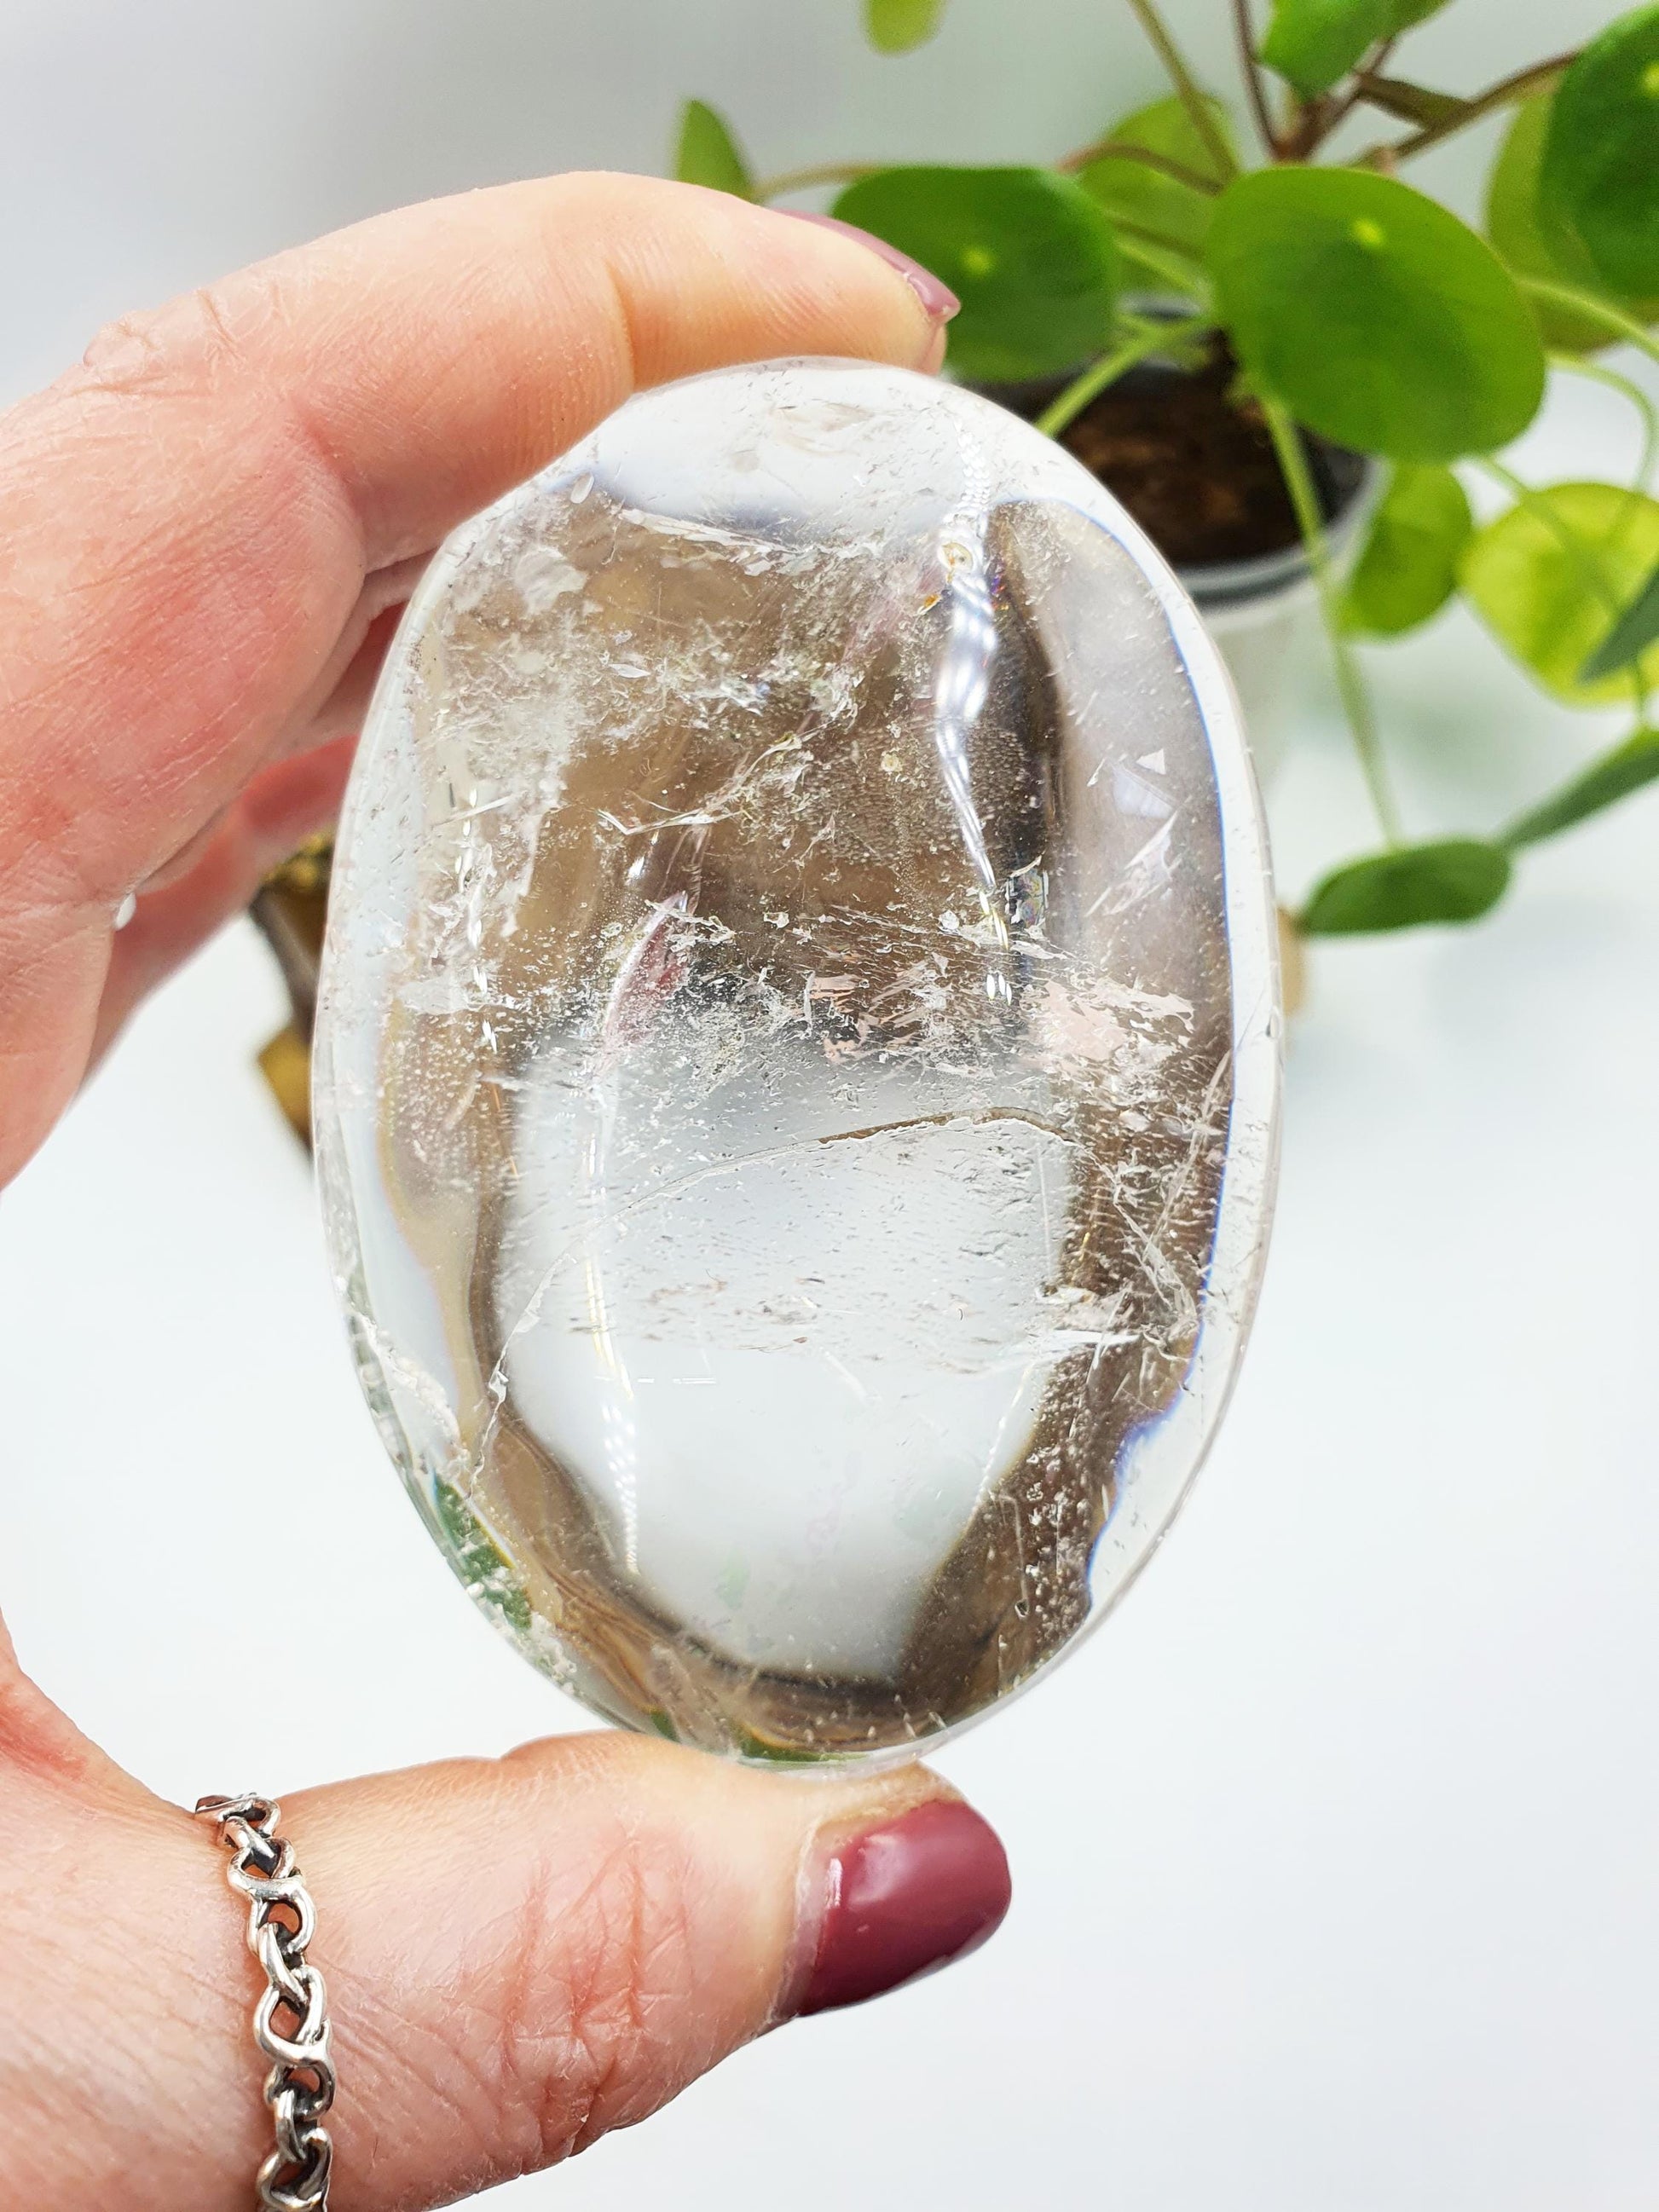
(797, 1067)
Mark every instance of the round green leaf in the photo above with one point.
(1408, 567)
(1458, 879)
(1534, 241)
(1140, 198)
(1551, 578)
(1530, 244)
(1311, 43)
(1600, 166)
(1372, 314)
(1029, 254)
(707, 153)
(1603, 784)
(894, 26)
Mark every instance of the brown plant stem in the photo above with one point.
(1336, 111)
(1504, 94)
(1310, 122)
(1117, 150)
(1187, 87)
(1251, 70)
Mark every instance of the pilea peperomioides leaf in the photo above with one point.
(1374, 315)
(894, 26)
(1532, 239)
(1311, 43)
(1549, 578)
(1456, 879)
(1600, 175)
(1139, 197)
(709, 154)
(1603, 784)
(1408, 567)
(1029, 254)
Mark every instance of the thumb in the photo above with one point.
(519, 1955)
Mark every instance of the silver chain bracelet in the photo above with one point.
(282, 1920)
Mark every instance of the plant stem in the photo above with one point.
(1550, 816)
(1187, 88)
(1305, 127)
(1501, 94)
(823, 173)
(1117, 150)
(1111, 365)
(1250, 69)
(1350, 680)
(1144, 235)
(1574, 364)
(1613, 319)
(1339, 109)
(1185, 277)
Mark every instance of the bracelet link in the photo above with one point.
(299, 2088)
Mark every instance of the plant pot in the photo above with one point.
(1264, 615)
(1195, 467)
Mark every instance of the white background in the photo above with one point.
(1337, 1853)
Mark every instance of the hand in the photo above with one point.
(205, 532)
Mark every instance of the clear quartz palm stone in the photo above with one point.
(797, 1070)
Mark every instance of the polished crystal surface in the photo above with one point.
(797, 1067)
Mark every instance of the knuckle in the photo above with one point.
(160, 352)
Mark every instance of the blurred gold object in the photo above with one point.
(290, 911)
(306, 873)
(285, 1063)
(1293, 964)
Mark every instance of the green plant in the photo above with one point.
(1356, 307)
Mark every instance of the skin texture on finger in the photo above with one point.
(520, 1955)
(188, 520)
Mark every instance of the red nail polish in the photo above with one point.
(937, 299)
(904, 1899)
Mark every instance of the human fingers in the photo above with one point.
(520, 1954)
(189, 522)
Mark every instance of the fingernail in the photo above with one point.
(904, 1899)
(938, 302)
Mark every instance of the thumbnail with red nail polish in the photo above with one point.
(907, 1898)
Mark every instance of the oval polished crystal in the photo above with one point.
(797, 1069)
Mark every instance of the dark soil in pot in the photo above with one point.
(1195, 468)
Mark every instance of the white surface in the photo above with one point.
(1336, 1852)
